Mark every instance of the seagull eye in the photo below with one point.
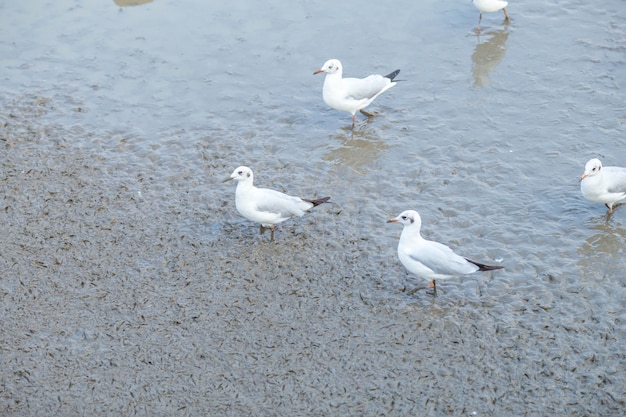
(240, 172)
(403, 217)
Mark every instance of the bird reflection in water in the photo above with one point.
(359, 148)
(126, 3)
(608, 240)
(602, 253)
(488, 54)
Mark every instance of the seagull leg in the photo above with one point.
(480, 17)
(433, 285)
(353, 119)
(262, 231)
(506, 15)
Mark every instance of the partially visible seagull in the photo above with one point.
(490, 6)
(603, 184)
(265, 206)
(352, 94)
(428, 259)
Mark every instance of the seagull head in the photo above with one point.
(330, 67)
(408, 218)
(593, 167)
(241, 174)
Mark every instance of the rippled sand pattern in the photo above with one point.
(131, 286)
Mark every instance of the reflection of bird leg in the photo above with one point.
(368, 114)
(414, 290)
(506, 15)
(431, 285)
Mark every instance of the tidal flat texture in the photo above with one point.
(131, 286)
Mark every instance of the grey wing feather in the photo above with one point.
(368, 87)
(617, 183)
(283, 204)
(442, 260)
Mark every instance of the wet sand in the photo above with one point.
(130, 284)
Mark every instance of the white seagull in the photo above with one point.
(603, 184)
(265, 206)
(490, 6)
(352, 94)
(428, 259)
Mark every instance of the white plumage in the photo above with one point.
(605, 185)
(265, 206)
(428, 259)
(490, 6)
(352, 94)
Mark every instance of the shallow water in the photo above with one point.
(130, 284)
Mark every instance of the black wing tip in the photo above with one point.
(490, 267)
(317, 201)
(393, 75)
(483, 267)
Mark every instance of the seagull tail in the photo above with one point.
(483, 267)
(318, 201)
(393, 75)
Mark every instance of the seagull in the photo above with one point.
(265, 206)
(603, 184)
(490, 6)
(352, 94)
(429, 259)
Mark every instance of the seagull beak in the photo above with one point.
(318, 71)
(392, 220)
(228, 179)
(582, 177)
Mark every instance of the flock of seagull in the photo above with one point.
(425, 258)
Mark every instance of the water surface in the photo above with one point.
(130, 284)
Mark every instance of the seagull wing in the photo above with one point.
(440, 259)
(365, 88)
(615, 178)
(273, 201)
